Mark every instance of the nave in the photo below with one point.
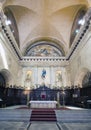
(45, 64)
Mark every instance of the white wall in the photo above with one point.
(81, 60)
(8, 62)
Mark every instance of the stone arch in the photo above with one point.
(7, 76)
(79, 76)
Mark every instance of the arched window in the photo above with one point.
(78, 22)
(11, 22)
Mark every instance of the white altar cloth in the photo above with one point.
(43, 104)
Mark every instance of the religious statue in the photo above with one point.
(43, 74)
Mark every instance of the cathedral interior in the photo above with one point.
(45, 53)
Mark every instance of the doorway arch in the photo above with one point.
(7, 77)
(79, 77)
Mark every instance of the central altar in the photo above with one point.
(43, 104)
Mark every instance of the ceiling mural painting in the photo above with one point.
(44, 51)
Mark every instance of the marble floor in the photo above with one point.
(6, 125)
(12, 125)
(18, 119)
(43, 126)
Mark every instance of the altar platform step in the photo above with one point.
(36, 113)
(43, 112)
(43, 119)
(44, 115)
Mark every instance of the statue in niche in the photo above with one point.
(59, 77)
(43, 75)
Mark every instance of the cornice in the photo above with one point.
(44, 61)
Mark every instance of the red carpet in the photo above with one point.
(43, 115)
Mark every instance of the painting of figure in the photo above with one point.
(59, 78)
(28, 75)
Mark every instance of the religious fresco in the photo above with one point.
(59, 78)
(28, 75)
(44, 51)
(28, 79)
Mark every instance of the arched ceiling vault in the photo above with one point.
(45, 18)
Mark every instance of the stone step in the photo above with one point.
(47, 115)
(43, 119)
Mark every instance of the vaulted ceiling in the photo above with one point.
(39, 20)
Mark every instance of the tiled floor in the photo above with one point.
(75, 126)
(18, 119)
(6, 125)
(43, 126)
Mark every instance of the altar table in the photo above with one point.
(43, 104)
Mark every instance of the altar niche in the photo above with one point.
(42, 93)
